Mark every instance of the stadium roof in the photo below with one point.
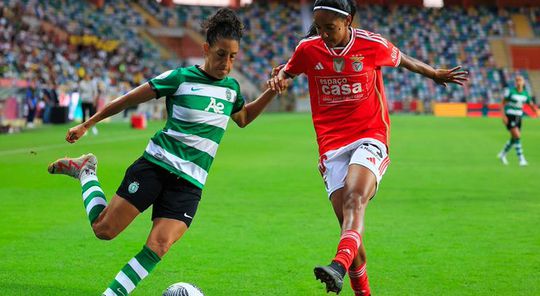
(209, 2)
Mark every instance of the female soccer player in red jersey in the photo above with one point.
(350, 115)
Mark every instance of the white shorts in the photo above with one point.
(367, 152)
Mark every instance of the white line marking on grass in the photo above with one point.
(88, 142)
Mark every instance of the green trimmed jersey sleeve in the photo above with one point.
(515, 100)
(198, 108)
(240, 102)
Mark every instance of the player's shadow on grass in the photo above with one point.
(8, 289)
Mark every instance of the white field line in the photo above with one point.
(86, 141)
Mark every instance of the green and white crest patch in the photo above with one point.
(133, 187)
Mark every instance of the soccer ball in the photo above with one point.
(183, 289)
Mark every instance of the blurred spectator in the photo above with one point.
(31, 102)
(61, 41)
(50, 98)
(88, 93)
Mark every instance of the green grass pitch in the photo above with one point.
(449, 218)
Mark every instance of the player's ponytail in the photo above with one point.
(223, 24)
(342, 8)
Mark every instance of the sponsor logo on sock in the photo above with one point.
(345, 251)
(133, 187)
(196, 88)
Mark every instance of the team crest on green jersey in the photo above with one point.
(133, 187)
(228, 95)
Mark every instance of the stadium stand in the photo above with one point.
(56, 43)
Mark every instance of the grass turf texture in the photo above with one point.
(449, 218)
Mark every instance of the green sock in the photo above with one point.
(93, 197)
(519, 149)
(132, 273)
(508, 146)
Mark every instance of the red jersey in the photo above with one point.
(346, 87)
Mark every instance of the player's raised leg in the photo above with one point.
(107, 221)
(165, 232)
(83, 168)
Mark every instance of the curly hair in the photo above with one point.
(223, 24)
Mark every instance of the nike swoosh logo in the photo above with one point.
(187, 216)
(196, 88)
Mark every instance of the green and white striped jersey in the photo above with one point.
(515, 101)
(198, 109)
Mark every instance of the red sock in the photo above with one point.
(347, 248)
(359, 281)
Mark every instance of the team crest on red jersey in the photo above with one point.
(357, 64)
(339, 64)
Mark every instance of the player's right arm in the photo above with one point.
(136, 96)
(505, 99)
(503, 114)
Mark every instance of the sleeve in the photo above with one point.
(387, 54)
(166, 83)
(297, 63)
(240, 102)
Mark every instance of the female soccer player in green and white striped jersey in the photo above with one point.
(512, 111)
(173, 169)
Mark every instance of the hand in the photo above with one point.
(276, 70)
(75, 133)
(444, 76)
(277, 81)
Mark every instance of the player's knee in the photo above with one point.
(356, 200)
(103, 231)
(160, 246)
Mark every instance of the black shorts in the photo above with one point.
(146, 183)
(513, 121)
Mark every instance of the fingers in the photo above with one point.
(273, 84)
(456, 76)
(283, 84)
(70, 137)
(275, 71)
(454, 69)
(277, 84)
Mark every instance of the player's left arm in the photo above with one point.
(533, 105)
(440, 76)
(250, 111)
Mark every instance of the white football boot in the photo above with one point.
(73, 166)
(502, 157)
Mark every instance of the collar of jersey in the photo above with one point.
(206, 74)
(346, 48)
